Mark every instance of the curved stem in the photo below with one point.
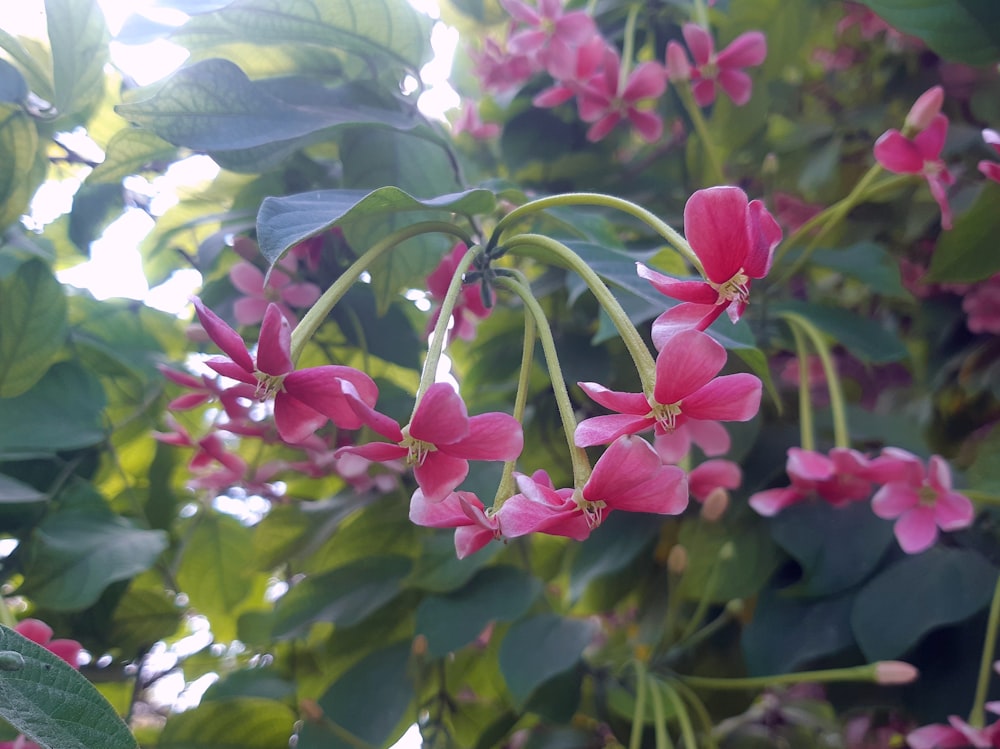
(643, 360)
(659, 719)
(700, 710)
(714, 578)
(581, 465)
(977, 717)
(807, 431)
(673, 237)
(701, 127)
(311, 321)
(858, 673)
(639, 714)
(507, 485)
(687, 730)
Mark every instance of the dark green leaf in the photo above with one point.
(213, 106)
(130, 151)
(862, 336)
(63, 411)
(344, 596)
(439, 570)
(244, 723)
(851, 545)
(867, 262)
(537, 649)
(142, 617)
(452, 621)
(389, 337)
(284, 222)
(959, 30)
(254, 682)
(18, 141)
(368, 702)
(94, 207)
(75, 554)
(79, 38)
(917, 595)
(611, 548)
(13, 87)
(53, 704)
(967, 253)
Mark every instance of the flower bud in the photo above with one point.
(678, 65)
(924, 109)
(895, 672)
(677, 560)
(715, 505)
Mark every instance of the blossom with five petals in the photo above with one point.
(440, 439)
(842, 476)
(278, 289)
(686, 387)
(722, 68)
(303, 399)
(920, 154)
(463, 511)
(734, 239)
(552, 35)
(605, 101)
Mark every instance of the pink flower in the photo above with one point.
(210, 449)
(570, 81)
(440, 439)
(924, 110)
(303, 399)
(734, 239)
(206, 389)
(628, 477)
(792, 212)
(40, 633)
(463, 511)
(469, 309)
(991, 168)
(499, 69)
(840, 478)
(711, 475)
(470, 122)
(956, 735)
(279, 290)
(921, 499)
(920, 154)
(723, 68)
(710, 436)
(686, 387)
(605, 102)
(981, 304)
(552, 35)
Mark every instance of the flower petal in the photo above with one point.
(492, 436)
(294, 419)
(712, 474)
(687, 362)
(224, 337)
(448, 513)
(733, 397)
(275, 343)
(247, 278)
(388, 428)
(682, 317)
(647, 81)
(748, 49)
(441, 417)
(685, 291)
(616, 400)
(737, 85)
(916, 530)
(893, 499)
(898, 154)
(710, 436)
(379, 452)
(647, 124)
(322, 389)
(765, 234)
(600, 430)
(930, 141)
(953, 511)
(631, 477)
(439, 474)
(699, 41)
(249, 310)
(715, 223)
(471, 538)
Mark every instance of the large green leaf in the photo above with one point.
(863, 337)
(367, 702)
(611, 548)
(540, 648)
(38, 78)
(13, 87)
(130, 151)
(244, 723)
(32, 326)
(452, 621)
(18, 141)
(345, 596)
(75, 554)
(967, 253)
(284, 222)
(52, 703)
(142, 617)
(960, 30)
(63, 411)
(377, 30)
(917, 595)
(79, 38)
(213, 106)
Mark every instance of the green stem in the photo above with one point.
(700, 13)
(440, 335)
(705, 632)
(644, 363)
(659, 719)
(687, 730)
(701, 127)
(714, 578)
(673, 237)
(581, 465)
(841, 436)
(628, 49)
(983, 498)
(858, 673)
(807, 431)
(639, 715)
(312, 320)
(507, 484)
(700, 710)
(977, 717)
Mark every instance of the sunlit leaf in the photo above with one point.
(18, 141)
(130, 151)
(79, 39)
(243, 723)
(13, 87)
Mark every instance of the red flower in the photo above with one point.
(686, 388)
(605, 102)
(734, 239)
(723, 68)
(920, 154)
(40, 633)
(303, 399)
(845, 476)
(440, 439)
(464, 512)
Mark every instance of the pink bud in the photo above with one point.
(678, 65)
(715, 505)
(895, 672)
(677, 560)
(924, 109)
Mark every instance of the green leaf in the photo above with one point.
(63, 411)
(94, 208)
(284, 222)
(389, 337)
(452, 621)
(142, 617)
(13, 491)
(379, 31)
(130, 151)
(253, 682)
(851, 545)
(889, 618)
(367, 702)
(53, 704)
(967, 253)
(243, 723)
(75, 554)
(540, 648)
(32, 326)
(439, 570)
(78, 37)
(864, 337)
(867, 262)
(13, 87)
(344, 596)
(18, 142)
(959, 30)
(611, 548)
(39, 79)
(213, 106)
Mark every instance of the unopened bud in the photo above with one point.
(770, 164)
(715, 505)
(924, 110)
(311, 710)
(678, 65)
(419, 646)
(677, 560)
(895, 672)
